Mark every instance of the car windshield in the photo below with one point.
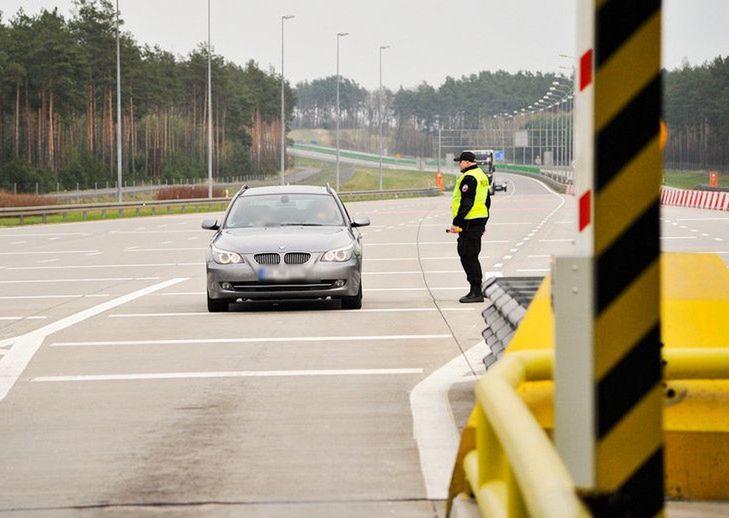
(271, 210)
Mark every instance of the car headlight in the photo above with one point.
(225, 257)
(338, 256)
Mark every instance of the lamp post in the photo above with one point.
(339, 35)
(379, 106)
(118, 112)
(210, 112)
(283, 113)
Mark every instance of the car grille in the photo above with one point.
(272, 287)
(296, 258)
(267, 258)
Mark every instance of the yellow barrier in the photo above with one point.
(515, 469)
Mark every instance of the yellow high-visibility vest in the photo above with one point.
(479, 209)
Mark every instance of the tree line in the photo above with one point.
(696, 110)
(58, 105)
(412, 116)
(697, 114)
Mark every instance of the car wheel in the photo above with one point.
(353, 302)
(217, 305)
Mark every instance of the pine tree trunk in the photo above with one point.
(16, 133)
(51, 136)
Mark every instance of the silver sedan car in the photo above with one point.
(288, 242)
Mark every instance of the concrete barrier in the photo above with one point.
(712, 200)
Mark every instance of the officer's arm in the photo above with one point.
(468, 197)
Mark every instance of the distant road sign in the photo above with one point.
(499, 155)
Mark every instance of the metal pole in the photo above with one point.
(379, 106)
(439, 147)
(339, 35)
(118, 111)
(210, 112)
(283, 113)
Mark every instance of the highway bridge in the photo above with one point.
(121, 394)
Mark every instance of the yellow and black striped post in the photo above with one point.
(614, 283)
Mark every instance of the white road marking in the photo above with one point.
(434, 428)
(534, 270)
(231, 374)
(83, 266)
(15, 297)
(679, 237)
(3, 234)
(24, 347)
(704, 219)
(100, 279)
(44, 261)
(18, 243)
(443, 243)
(23, 318)
(157, 231)
(348, 313)
(541, 256)
(413, 272)
(408, 258)
(165, 249)
(51, 252)
(278, 339)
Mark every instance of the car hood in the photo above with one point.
(292, 239)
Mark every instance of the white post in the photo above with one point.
(339, 35)
(118, 110)
(283, 113)
(379, 110)
(210, 112)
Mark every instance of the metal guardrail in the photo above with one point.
(84, 208)
(515, 470)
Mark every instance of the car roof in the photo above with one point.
(288, 189)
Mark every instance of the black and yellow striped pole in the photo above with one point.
(608, 373)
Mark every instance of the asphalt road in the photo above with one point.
(120, 393)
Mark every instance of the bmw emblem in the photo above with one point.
(282, 247)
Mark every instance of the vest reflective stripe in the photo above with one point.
(479, 209)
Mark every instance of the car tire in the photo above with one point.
(217, 305)
(353, 302)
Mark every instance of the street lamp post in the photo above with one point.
(283, 113)
(210, 112)
(339, 35)
(118, 112)
(379, 106)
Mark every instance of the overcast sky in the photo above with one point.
(429, 39)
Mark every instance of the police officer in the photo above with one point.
(470, 211)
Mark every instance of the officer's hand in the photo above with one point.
(454, 230)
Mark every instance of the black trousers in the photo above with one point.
(469, 246)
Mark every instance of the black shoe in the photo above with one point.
(473, 296)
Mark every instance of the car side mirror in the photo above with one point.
(360, 222)
(210, 224)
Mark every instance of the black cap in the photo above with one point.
(467, 156)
